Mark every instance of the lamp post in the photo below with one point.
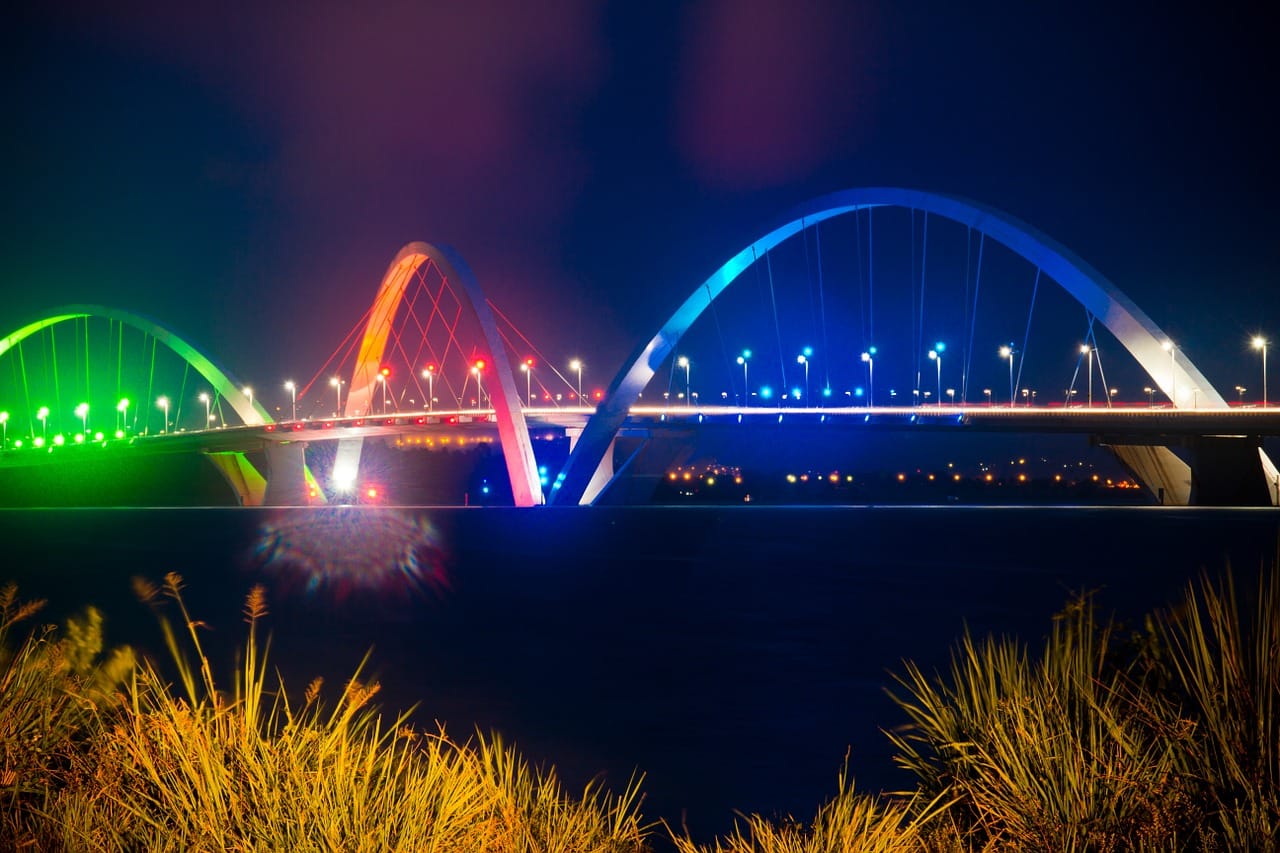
(1007, 352)
(4, 422)
(869, 359)
(527, 369)
(82, 412)
(683, 361)
(336, 384)
(1260, 343)
(477, 370)
(162, 402)
(293, 397)
(1240, 389)
(746, 388)
(802, 360)
(1168, 346)
(987, 392)
(248, 392)
(576, 365)
(951, 396)
(1085, 349)
(935, 355)
(1151, 396)
(123, 408)
(204, 398)
(429, 374)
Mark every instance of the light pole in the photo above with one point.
(987, 392)
(429, 374)
(82, 412)
(478, 371)
(951, 396)
(527, 369)
(248, 392)
(1007, 352)
(576, 364)
(163, 403)
(803, 360)
(1111, 395)
(4, 422)
(746, 388)
(1151, 396)
(683, 361)
(293, 397)
(1168, 346)
(42, 415)
(336, 384)
(869, 358)
(1240, 389)
(1085, 349)
(123, 408)
(935, 355)
(1260, 342)
(204, 398)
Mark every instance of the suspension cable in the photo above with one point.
(822, 303)
(973, 319)
(768, 262)
(1026, 337)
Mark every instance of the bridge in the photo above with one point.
(429, 319)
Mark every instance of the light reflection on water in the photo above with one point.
(342, 551)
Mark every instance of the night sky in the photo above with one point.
(244, 175)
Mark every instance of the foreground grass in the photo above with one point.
(1162, 738)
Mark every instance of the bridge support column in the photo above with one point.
(286, 475)
(245, 480)
(1159, 469)
(1227, 471)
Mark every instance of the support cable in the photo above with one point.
(973, 319)
(1026, 337)
(768, 262)
(822, 302)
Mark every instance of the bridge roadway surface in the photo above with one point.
(1121, 424)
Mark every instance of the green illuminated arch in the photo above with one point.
(252, 413)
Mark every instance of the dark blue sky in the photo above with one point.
(244, 173)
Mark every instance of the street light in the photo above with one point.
(527, 369)
(4, 422)
(987, 392)
(208, 416)
(576, 364)
(336, 384)
(951, 396)
(869, 359)
(82, 412)
(1151, 396)
(429, 374)
(477, 370)
(293, 397)
(683, 361)
(804, 360)
(1240, 389)
(935, 354)
(1085, 349)
(248, 392)
(162, 402)
(1168, 346)
(1026, 396)
(746, 389)
(123, 408)
(1008, 352)
(1260, 342)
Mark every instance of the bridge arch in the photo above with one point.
(251, 412)
(1121, 316)
(517, 448)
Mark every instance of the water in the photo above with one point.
(733, 654)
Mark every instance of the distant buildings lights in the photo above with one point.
(336, 384)
(746, 387)
(869, 359)
(683, 361)
(1169, 347)
(1260, 343)
(527, 369)
(576, 365)
(208, 415)
(293, 397)
(935, 355)
(163, 403)
(1007, 352)
(429, 374)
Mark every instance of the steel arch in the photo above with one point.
(1130, 325)
(252, 413)
(517, 448)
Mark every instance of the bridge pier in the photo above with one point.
(1221, 471)
(286, 474)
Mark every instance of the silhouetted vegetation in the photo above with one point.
(1165, 737)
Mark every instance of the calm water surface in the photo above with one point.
(733, 655)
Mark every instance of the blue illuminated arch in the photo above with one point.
(1130, 325)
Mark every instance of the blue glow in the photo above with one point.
(766, 392)
(913, 419)
(871, 350)
(866, 419)
(940, 347)
(779, 417)
(542, 470)
(826, 392)
(739, 417)
(795, 392)
(808, 351)
(746, 353)
(857, 392)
